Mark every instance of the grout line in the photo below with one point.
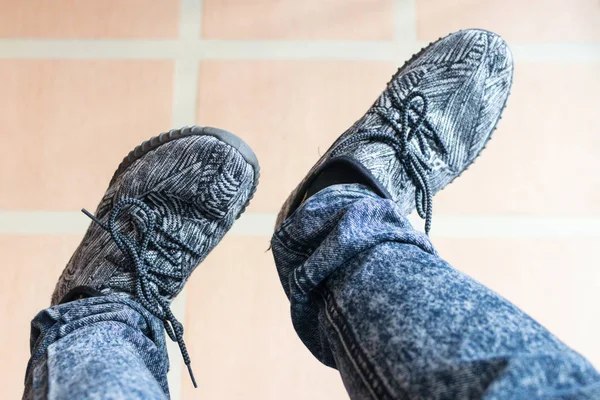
(185, 88)
(89, 49)
(512, 227)
(405, 31)
(190, 19)
(42, 222)
(198, 49)
(405, 21)
(261, 224)
(302, 50)
(185, 99)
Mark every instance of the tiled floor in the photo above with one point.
(89, 19)
(66, 121)
(289, 111)
(84, 82)
(308, 19)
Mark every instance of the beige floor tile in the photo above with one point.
(89, 19)
(240, 335)
(30, 267)
(308, 19)
(524, 21)
(556, 281)
(288, 111)
(541, 160)
(70, 123)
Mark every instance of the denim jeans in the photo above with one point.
(369, 296)
(106, 347)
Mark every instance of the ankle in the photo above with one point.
(343, 171)
(79, 293)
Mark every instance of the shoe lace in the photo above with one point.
(411, 123)
(150, 277)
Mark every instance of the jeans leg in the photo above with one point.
(371, 297)
(106, 347)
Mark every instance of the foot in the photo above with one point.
(168, 205)
(430, 123)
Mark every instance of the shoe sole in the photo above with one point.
(423, 50)
(176, 134)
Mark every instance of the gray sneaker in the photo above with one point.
(168, 205)
(430, 123)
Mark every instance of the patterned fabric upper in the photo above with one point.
(431, 122)
(169, 209)
(157, 221)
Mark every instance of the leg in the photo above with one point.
(167, 206)
(99, 347)
(371, 297)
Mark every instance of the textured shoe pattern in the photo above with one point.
(167, 207)
(430, 123)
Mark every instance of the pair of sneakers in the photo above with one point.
(174, 197)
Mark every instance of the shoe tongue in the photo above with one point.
(373, 121)
(382, 162)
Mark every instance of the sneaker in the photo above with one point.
(430, 123)
(169, 203)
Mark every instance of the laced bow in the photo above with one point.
(150, 278)
(411, 123)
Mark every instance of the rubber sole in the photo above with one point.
(175, 134)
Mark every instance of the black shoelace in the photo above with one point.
(149, 277)
(412, 123)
